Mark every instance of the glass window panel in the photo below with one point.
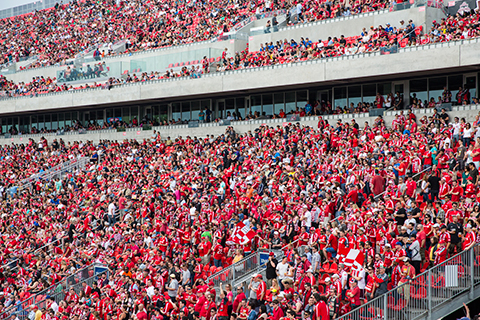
(195, 105)
(48, 122)
(41, 125)
(354, 95)
(455, 82)
(256, 105)
(126, 114)
(54, 121)
(471, 85)
(163, 112)
(340, 97)
(109, 114)
(134, 113)
(220, 109)
(302, 99)
(267, 101)
(240, 106)
(176, 111)
(99, 118)
(384, 88)
(185, 111)
(61, 120)
(418, 89)
(369, 93)
(279, 102)
(290, 103)
(4, 125)
(117, 113)
(230, 108)
(68, 119)
(436, 86)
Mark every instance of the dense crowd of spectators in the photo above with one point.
(372, 40)
(66, 30)
(177, 202)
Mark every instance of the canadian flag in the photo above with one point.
(241, 234)
(354, 259)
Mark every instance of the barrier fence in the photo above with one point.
(57, 290)
(55, 172)
(245, 268)
(421, 296)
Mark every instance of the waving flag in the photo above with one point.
(354, 259)
(241, 234)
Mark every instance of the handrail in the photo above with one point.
(48, 291)
(380, 194)
(256, 69)
(36, 251)
(48, 174)
(239, 263)
(406, 286)
(414, 176)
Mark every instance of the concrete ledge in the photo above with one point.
(183, 130)
(460, 55)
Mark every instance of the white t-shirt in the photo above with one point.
(361, 282)
(282, 269)
(308, 220)
(456, 128)
(111, 209)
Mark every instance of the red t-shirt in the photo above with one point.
(142, 315)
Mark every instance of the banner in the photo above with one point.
(354, 259)
(241, 234)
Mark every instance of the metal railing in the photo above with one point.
(56, 290)
(54, 172)
(424, 295)
(246, 267)
(50, 246)
(381, 194)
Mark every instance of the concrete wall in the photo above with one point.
(349, 26)
(468, 112)
(232, 45)
(460, 55)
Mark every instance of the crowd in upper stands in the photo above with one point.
(60, 33)
(452, 28)
(159, 214)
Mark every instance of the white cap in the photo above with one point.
(328, 279)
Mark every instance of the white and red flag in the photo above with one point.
(241, 234)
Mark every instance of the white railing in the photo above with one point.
(57, 171)
(427, 294)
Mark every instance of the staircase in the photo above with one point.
(431, 295)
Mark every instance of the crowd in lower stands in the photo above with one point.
(160, 213)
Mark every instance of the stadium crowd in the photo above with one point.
(78, 27)
(372, 40)
(328, 189)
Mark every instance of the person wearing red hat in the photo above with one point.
(260, 289)
(38, 313)
(212, 290)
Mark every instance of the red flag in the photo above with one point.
(354, 259)
(241, 234)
